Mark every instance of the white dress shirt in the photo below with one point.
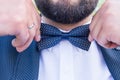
(67, 62)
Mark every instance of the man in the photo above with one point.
(104, 27)
(59, 59)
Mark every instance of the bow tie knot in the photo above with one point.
(52, 36)
(65, 36)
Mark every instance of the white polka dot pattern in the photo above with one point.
(52, 36)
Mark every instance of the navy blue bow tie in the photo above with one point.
(50, 36)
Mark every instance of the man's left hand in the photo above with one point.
(105, 26)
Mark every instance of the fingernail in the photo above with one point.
(13, 42)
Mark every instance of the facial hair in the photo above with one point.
(65, 13)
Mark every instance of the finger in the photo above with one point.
(37, 35)
(97, 17)
(37, 20)
(96, 30)
(95, 24)
(103, 40)
(32, 34)
(90, 38)
(21, 38)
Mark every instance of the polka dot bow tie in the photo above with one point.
(50, 36)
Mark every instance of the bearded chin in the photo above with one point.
(66, 13)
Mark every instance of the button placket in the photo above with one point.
(66, 61)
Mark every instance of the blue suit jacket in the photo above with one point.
(25, 65)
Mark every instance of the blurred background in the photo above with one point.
(98, 6)
(100, 3)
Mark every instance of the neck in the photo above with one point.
(66, 27)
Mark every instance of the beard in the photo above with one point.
(64, 12)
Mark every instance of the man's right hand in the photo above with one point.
(15, 18)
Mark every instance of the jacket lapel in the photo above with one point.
(27, 64)
(18, 66)
(112, 58)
